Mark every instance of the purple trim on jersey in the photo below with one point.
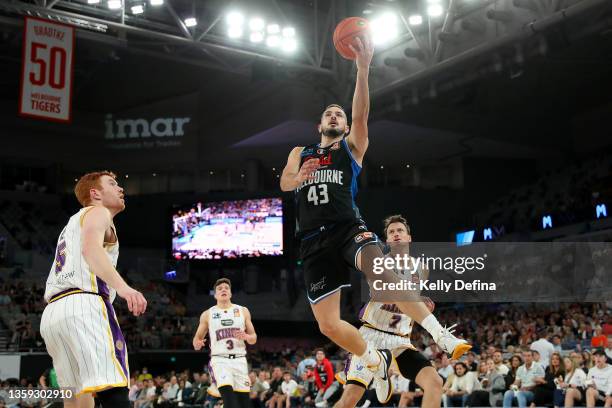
(362, 311)
(347, 365)
(102, 287)
(211, 372)
(120, 352)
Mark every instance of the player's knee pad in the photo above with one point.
(114, 398)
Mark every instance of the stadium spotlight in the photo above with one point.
(416, 19)
(289, 44)
(191, 22)
(289, 32)
(235, 19)
(137, 9)
(273, 29)
(384, 28)
(234, 32)
(256, 24)
(93, 1)
(435, 10)
(156, 2)
(273, 41)
(114, 4)
(256, 37)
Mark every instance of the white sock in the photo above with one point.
(432, 325)
(371, 357)
(366, 404)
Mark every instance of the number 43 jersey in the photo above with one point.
(330, 197)
(223, 324)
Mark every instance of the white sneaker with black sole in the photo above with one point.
(382, 380)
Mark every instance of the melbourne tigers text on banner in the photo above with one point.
(47, 66)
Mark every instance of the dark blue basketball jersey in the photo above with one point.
(330, 196)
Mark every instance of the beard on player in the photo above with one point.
(333, 132)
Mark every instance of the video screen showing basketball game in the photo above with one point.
(228, 229)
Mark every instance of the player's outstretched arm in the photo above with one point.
(358, 138)
(293, 175)
(95, 224)
(199, 338)
(248, 334)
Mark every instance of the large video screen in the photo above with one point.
(228, 229)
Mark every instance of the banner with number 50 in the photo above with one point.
(46, 75)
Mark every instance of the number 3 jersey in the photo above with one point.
(330, 197)
(222, 327)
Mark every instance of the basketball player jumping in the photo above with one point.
(229, 326)
(385, 326)
(79, 324)
(334, 238)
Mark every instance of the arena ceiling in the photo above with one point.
(477, 82)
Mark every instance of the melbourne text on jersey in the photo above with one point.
(324, 176)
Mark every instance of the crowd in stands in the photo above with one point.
(542, 354)
(536, 374)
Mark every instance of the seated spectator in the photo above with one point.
(464, 382)
(599, 382)
(135, 390)
(556, 341)
(324, 379)
(445, 369)
(499, 363)
(471, 362)
(183, 394)
(400, 396)
(290, 392)
(271, 396)
(522, 388)
(545, 388)
(146, 398)
(515, 362)
(308, 389)
(493, 387)
(570, 390)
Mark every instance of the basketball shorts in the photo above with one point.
(231, 371)
(409, 360)
(329, 255)
(83, 337)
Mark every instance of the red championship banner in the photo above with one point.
(46, 74)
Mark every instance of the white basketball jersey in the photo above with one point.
(222, 327)
(70, 270)
(387, 316)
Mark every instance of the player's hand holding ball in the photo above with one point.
(362, 47)
(137, 304)
(198, 344)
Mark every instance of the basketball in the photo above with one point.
(346, 32)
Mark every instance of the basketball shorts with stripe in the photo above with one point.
(330, 255)
(83, 337)
(231, 371)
